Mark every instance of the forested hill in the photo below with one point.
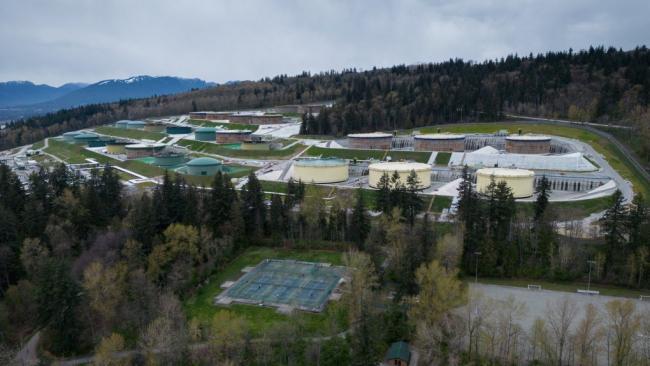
(597, 84)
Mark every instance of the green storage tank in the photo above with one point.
(122, 124)
(135, 125)
(178, 130)
(69, 136)
(169, 159)
(85, 138)
(205, 134)
(203, 166)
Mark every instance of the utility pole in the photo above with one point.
(589, 263)
(476, 255)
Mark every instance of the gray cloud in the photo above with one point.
(56, 41)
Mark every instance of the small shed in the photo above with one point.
(399, 354)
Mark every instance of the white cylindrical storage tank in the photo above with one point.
(320, 170)
(403, 169)
(520, 181)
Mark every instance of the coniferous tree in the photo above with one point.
(613, 224)
(412, 202)
(383, 196)
(359, 223)
(541, 202)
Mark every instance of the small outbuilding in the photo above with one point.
(399, 354)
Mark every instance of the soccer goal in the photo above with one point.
(644, 297)
(535, 287)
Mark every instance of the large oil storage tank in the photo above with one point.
(122, 123)
(116, 147)
(205, 134)
(373, 140)
(85, 138)
(320, 170)
(134, 151)
(228, 136)
(69, 136)
(135, 125)
(178, 130)
(203, 166)
(439, 142)
(169, 159)
(520, 181)
(528, 144)
(403, 169)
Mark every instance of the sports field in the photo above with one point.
(289, 283)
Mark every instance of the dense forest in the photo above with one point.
(597, 84)
(101, 270)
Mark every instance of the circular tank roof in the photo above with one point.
(321, 162)
(203, 161)
(243, 132)
(135, 123)
(122, 122)
(119, 142)
(145, 146)
(72, 133)
(86, 135)
(505, 172)
(528, 138)
(371, 135)
(206, 129)
(440, 136)
(399, 166)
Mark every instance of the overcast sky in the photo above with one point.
(58, 41)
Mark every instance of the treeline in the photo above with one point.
(597, 84)
(501, 241)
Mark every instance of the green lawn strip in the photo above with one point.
(74, 153)
(614, 156)
(440, 203)
(570, 210)
(227, 126)
(314, 137)
(201, 306)
(38, 145)
(129, 133)
(607, 290)
(442, 158)
(211, 148)
(359, 154)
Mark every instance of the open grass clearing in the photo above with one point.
(570, 210)
(130, 133)
(259, 319)
(216, 149)
(227, 126)
(612, 154)
(442, 158)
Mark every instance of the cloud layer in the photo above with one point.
(58, 41)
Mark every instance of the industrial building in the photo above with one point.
(178, 130)
(520, 181)
(528, 144)
(229, 136)
(373, 140)
(169, 159)
(69, 136)
(122, 123)
(403, 169)
(439, 142)
(135, 125)
(116, 147)
(320, 170)
(135, 151)
(205, 134)
(203, 166)
(85, 138)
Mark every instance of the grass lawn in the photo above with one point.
(359, 154)
(261, 318)
(38, 145)
(442, 158)
(212, 148)
(128, 133)
(603, 146)
(570, 210)
(75, 154)
(314, 137)
(607, 290)
(440, 202)
(228, 126)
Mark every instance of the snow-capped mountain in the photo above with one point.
(23, 98)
